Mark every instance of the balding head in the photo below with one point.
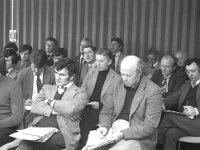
(131, 70)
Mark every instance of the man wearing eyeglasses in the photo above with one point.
(89, 57)
(174, 126)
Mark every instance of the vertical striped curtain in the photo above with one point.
(167, 25)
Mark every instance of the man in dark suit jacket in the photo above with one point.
(80, 58)
(137, 104)
(117, 46)
(169, 77)
(27, 77)
(174, 126)
(51, 44)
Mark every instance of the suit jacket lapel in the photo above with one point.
(46, 76)
(93, 76)
(139, 95)
(30, 79)
(107, 82)
(184, 93)
(71, 91)
(198, 96)
(119, 100)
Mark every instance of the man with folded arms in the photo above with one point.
(59, 106)
(137, 108)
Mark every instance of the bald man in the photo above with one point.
(137, 109)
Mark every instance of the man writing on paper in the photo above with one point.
(173, 126)
(59, 106)
(137, 104)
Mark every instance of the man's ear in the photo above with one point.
(109, 61)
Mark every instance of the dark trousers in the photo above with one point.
(4, 135)
(174, 126)
(90, 119)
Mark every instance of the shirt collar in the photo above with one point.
(196, 83)
(68, 85)
(155, 64)
(117, 54)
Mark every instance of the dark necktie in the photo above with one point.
(164, 82)
(39, 83)
(113, 62)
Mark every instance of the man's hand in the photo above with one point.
(94, 105)
(189, 111)
(117, 136)
(102, 131)
(27, 102)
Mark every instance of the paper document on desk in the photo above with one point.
(37, 134)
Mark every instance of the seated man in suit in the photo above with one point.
(25, 52)
(97, 82)
(174, 126)
(80, 58)
(169, 77)
(11, 104)
(59, 106)
(117, 46)
(34, 77)
(152, 62)
(89, 57)
(59, 53)
(181, 58)
(51, 44)
(137, 104)
(12, 63)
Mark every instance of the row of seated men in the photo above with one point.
(105, 98)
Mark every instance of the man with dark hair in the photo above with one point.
(89, 57)
(11, 105)
(11, 45)
(173, 126)
(59, 106)
(169, 77)
(51, 44)
(34, 77)
(152, 62)
(25, 52)
(97, 82)
(117, 46)
(59, 53)
(12, 62)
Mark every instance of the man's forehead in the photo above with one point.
(192, 66)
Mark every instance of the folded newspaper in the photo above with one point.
(37, 134)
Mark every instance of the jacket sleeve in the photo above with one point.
(16, 115)
(39, 106)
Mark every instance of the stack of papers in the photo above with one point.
(37, 134)
(95, 141)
